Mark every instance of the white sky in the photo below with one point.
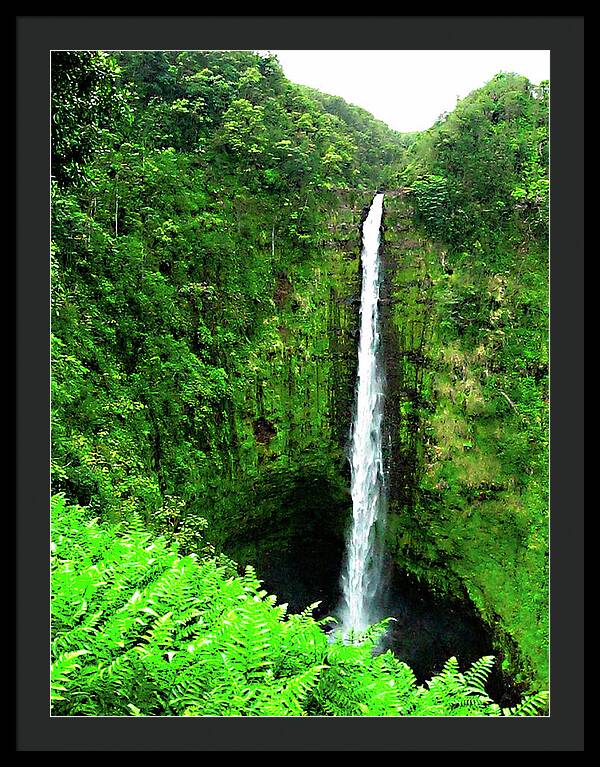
(407, 89)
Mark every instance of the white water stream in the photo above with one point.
(362, 574)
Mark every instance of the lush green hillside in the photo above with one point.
(380, 150)
(205, 275)
(198, 253)
(470, 366)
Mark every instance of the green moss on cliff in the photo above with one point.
(203, 269)
(468, 411)
(205, 277)
(293, 411)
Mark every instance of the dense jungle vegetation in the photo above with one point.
(480, 362)
(204, 254)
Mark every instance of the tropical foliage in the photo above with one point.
(139, 629)
(197, 183)
(204, 265)
(476, 293)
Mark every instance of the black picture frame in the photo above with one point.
(35, 37)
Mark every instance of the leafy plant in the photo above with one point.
(138, 629)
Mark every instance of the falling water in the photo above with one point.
(362, 576)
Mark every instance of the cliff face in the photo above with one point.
(289, 429)
(467, 501)
(460, 520)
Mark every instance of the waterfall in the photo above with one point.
(363, 566)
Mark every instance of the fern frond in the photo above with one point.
(139, 630)
(477, 675)
(532, 705)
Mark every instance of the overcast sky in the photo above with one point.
(407, 89)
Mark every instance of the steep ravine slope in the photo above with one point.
(458, 526)
(289, 465)
(459, 519)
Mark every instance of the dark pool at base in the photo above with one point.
(426, 630)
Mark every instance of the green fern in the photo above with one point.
(139, 630)
(533, 705)
(61, 671)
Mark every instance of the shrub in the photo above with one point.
(139, 629)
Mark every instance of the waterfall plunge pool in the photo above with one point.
(427, 629)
